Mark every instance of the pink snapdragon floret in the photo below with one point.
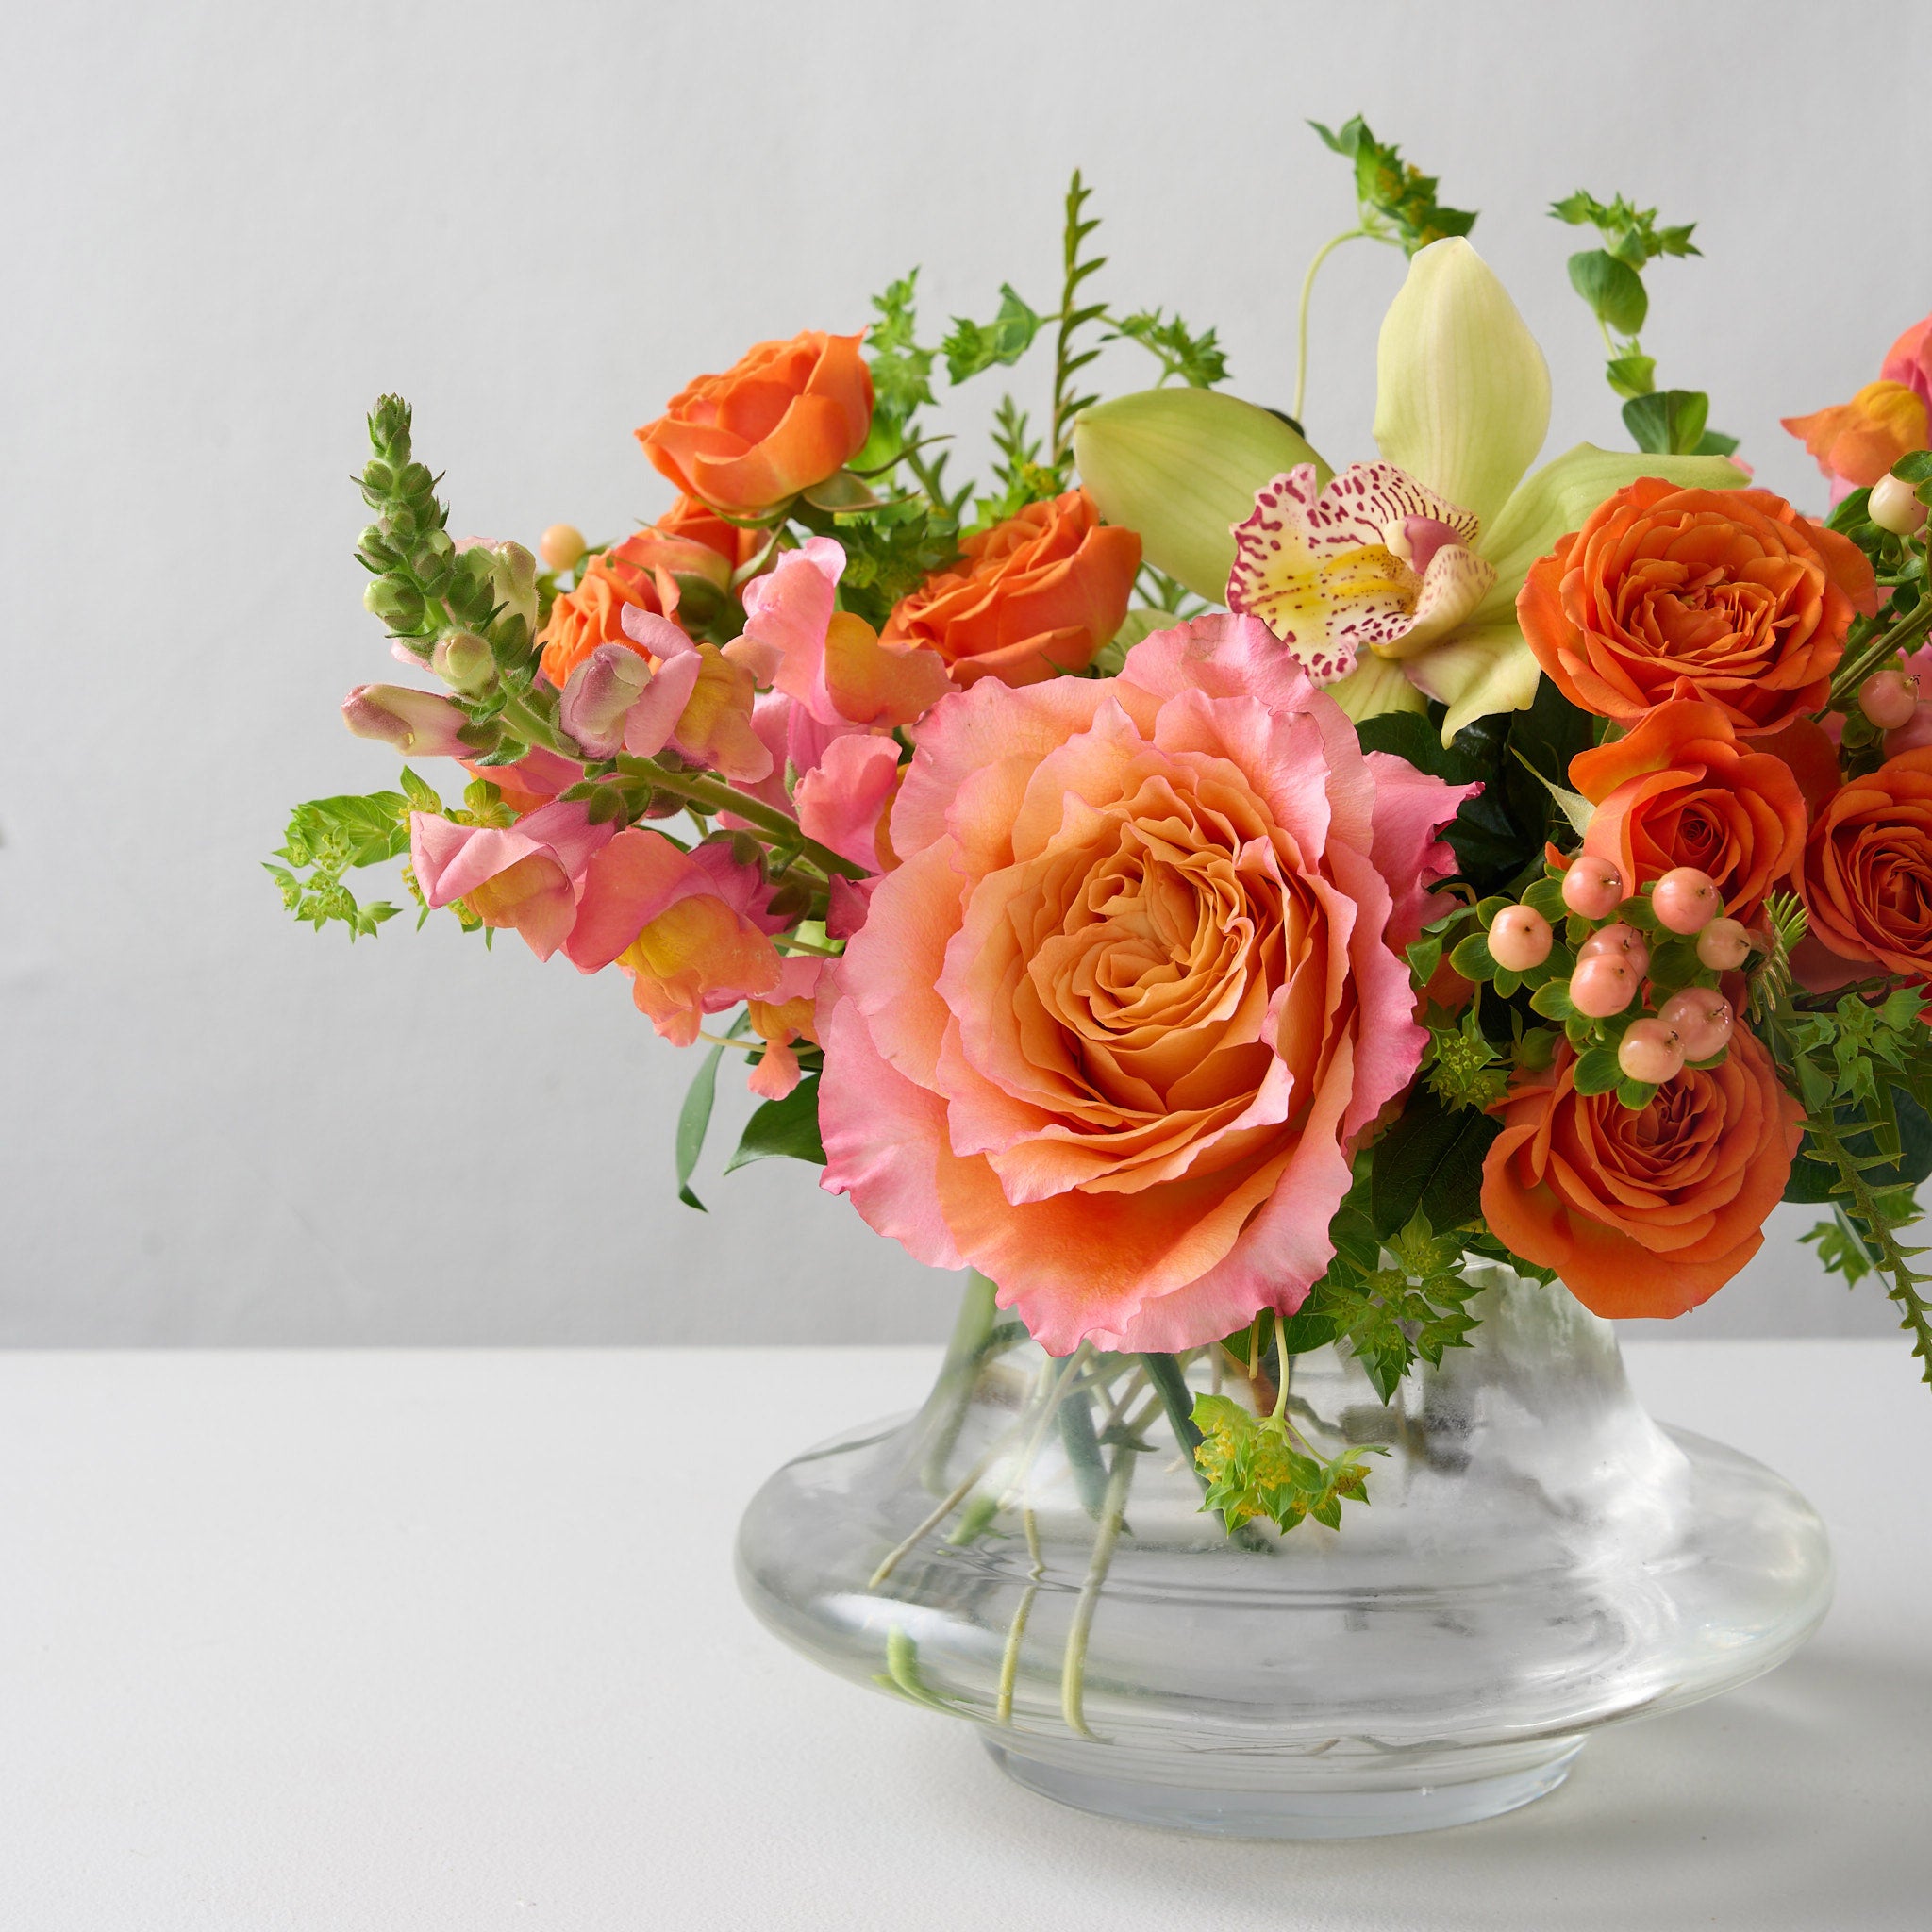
(528, 875)
(420, 723)
(830, 662)
(840, 802)
(614, 701)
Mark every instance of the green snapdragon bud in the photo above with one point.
(395, 600)
(465, 662)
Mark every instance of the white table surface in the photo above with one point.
(449, 1640)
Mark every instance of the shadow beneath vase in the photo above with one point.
(1798, 1801)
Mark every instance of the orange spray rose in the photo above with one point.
(1644, 1211)
(1867, 875)
(1728, 595)
(783, 417)
(1034, 596)
(1681, 789)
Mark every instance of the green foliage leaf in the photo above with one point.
(788, 1127)
(889, 552)
(1394, 199)
(1632, 375)
(973, 347)
(1197, 359)
(327, 837)
(1252, 1468)
(694, 1123)
(1612, 287)
(1669, 422)
(1430, 1162)
(901, 369)
(1409, 735)
(1499, 834)
(1630, 234)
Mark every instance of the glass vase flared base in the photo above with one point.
(1414, 1792)
(1537, 1557)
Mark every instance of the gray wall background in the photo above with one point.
(228, 227)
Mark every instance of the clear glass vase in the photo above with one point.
(1537, 1557)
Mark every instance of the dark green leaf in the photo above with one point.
(1430, 1162)
(1410, 735)
(694, 1121)
(788, 1127)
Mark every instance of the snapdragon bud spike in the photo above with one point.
(1520, 938)
(1593, 888)
(1895, 507)
(1602, 986)
(1621, 941)
(1888, 699)
(1686, 900)
(1651, 1050)
(1723, 945)
(1702, 1018)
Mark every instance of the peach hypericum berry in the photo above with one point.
(1620, 940)
(1686, 900)
(1723, 945)
(1593, 888)
(1651, 1050)
(1895, 505)
(1888, 699)
(1602, 985)
(1520, 938)
(1701, 1020)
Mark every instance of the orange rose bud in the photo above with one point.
(1033, 597)
(1859, 441)
(784, 416)
(1643, 1212)
(1866, 879)
(1680, 790)
(697, 523)
(1727, 595)
(640, 573)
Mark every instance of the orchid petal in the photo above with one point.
(1562, 494)
(1456, 582)
(1462, 396)
(1482, 669)
(1374, 686)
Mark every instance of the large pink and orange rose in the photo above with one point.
(1112, 1027)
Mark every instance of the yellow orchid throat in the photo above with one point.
(1375, 562)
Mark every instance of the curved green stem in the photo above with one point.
(1073, 1661)
(1301, 330)
(1898, 637)
(712, 795)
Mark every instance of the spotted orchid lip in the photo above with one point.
(1376, 562)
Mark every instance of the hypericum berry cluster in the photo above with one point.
(1633, 978)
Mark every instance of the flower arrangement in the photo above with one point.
(1208, 892)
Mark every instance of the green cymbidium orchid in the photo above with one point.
(1397, 582)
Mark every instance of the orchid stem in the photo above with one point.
(1301, 333)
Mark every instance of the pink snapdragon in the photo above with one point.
(420, 723)
(528, 875)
